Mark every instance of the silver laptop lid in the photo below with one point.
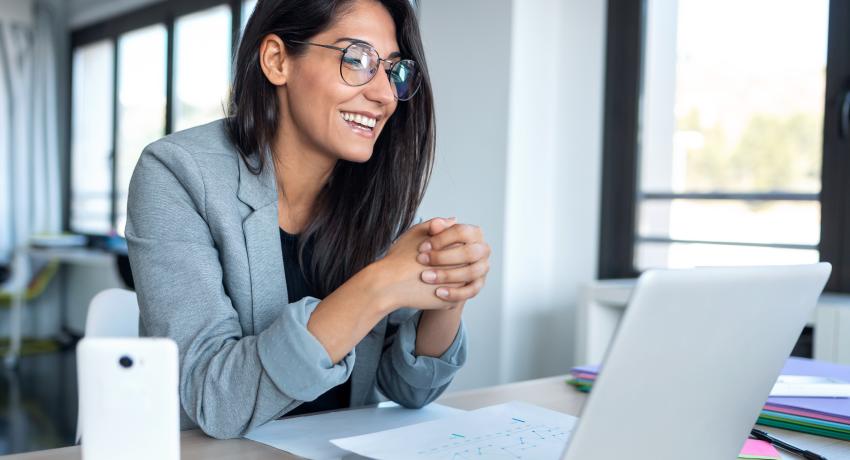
(693, 361)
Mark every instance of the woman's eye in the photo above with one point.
(351, 61)
(357, 62)
(401, 73)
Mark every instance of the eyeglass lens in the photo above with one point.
(360, 63)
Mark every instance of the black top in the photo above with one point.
(339, 396)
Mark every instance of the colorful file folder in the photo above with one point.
(821, 416)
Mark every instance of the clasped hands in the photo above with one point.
(437, 264)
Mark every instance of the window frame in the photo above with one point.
(111, 29)
(621, 151)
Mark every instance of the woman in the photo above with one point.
(276, 246)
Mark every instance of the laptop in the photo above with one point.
(693, 361)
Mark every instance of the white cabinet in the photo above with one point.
(602, 303)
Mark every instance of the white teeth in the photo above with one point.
(359, 119)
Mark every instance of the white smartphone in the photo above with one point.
(128, 398)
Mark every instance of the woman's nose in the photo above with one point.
(380, 89)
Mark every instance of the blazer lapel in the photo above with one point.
(262, 240)
(268, 281)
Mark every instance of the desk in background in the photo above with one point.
(552, 393)
(66, 256)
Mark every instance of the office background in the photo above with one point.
(588, 139)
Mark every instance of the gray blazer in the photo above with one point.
(205, 251)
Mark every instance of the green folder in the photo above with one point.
(803, 428)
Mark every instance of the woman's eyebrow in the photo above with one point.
(392, 55)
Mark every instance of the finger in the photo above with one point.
(464, 274)
(421, 229)
(439, 224)
(461, 293)
(464, 254)
(426, 225)
(458, 233)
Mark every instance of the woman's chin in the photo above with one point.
(356, 157)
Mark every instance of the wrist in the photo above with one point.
(378, 282)
(456, 311)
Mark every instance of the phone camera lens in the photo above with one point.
(125, 361)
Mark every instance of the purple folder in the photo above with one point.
(831, 409)
(585, 370)
(834, 408)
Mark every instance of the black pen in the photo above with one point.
(759, 434)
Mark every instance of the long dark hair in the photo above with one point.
(364, 207)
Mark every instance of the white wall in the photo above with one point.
(518, 87)
(19, 11)
(554, 179)
(468, 47)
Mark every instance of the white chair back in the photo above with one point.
(113, 313)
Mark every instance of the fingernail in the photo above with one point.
(442, 292)
(423, 258)
(425, 247)
(429, 276)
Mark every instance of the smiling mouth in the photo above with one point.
(360, 124)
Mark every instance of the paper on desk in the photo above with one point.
(309, 436)
(513, 430)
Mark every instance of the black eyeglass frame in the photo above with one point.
(392, 64)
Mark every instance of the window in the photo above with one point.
(141, 104)
(731, 133)
(247, 9)
(201, 67)
(136, 78)
(91, 148)
(715, 133)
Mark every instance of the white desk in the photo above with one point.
(552, 393)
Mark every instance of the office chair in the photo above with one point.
(113, 313)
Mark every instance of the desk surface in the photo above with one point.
(550, 392)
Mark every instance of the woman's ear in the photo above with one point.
(273, 59)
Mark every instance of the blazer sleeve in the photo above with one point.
(410, 380)
(229, 382)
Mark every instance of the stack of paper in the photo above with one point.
(821, 416)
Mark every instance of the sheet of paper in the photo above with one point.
(309, 436)
(514, 430)
(810, 386)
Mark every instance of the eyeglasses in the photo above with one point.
(359, 65)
